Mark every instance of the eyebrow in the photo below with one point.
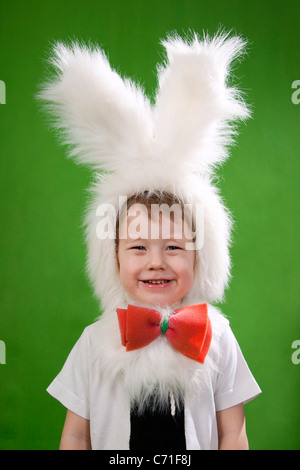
(140, 239)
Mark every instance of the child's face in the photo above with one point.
(155, 271)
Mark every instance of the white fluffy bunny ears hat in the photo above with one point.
(134, 146)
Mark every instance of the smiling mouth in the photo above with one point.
(157, 282)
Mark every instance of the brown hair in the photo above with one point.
(148, 198)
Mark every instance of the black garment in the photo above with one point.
(157, 430)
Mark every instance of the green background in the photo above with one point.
(46, 299)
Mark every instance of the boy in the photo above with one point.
(161, 368)
(157, 272)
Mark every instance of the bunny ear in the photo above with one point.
(106, 120)
(194, 106)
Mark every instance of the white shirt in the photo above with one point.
(81, 388)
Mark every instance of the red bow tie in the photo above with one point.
(188, 329)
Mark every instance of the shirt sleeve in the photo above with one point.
(71, 386)
(235, 382)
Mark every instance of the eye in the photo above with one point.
(139, 248)
(173, 248)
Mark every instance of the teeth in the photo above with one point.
(156, 282)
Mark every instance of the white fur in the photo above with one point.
(173, 145)
(157, 367)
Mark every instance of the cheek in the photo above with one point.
(123, 270)
(188, 277)
(187, 263)
(188, 271)
(128, 269)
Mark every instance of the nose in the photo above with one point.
(156, 260)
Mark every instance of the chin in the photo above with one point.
(160, 301)
(158, 298)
